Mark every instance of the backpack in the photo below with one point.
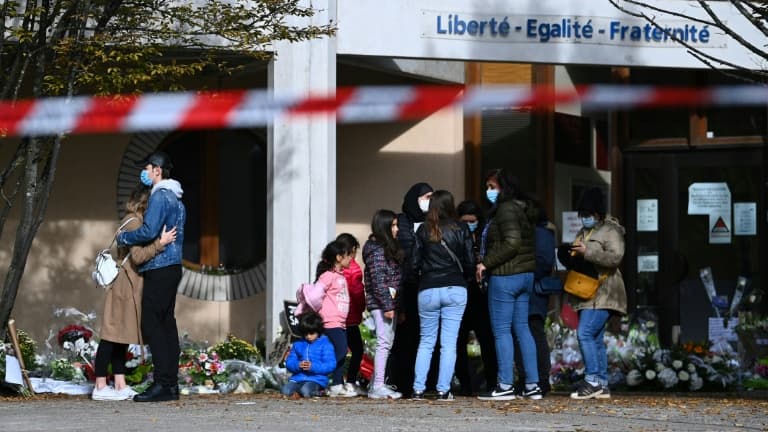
(106, 268)
(310, 297)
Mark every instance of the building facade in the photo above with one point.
(264, 202)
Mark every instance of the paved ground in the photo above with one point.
(272, 413)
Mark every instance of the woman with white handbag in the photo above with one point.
(122, 305)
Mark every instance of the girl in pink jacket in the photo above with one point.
(335, 308)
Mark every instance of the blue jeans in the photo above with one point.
(441, 307)
(508, 308)
(306, 388)
(591, 331)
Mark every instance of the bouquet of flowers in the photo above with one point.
(139, 370)
(689, 367)
(201, 367)
(236, 349)
(565, 357)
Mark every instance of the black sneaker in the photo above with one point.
(585, 390)
(417, 395)
(498, 394)
(605, 394)
(534, 393)
(445, 396)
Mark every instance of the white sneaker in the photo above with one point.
(384, 392)
(106, 394)
(128, 392)
(352, 387)
(339, 390)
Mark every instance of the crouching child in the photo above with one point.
(311, 359)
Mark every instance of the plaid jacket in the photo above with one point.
(380, 275)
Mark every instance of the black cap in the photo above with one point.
(158, 159)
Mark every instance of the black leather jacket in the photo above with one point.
(435, 264)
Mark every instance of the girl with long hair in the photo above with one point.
(335, 308)
(383, 258)
(444, 259)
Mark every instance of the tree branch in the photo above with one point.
(722, 26)
(696, 52)
(741, 6)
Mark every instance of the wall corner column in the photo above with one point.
(301, 167)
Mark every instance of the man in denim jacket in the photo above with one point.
(162, 275)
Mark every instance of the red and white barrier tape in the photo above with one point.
(253, 108)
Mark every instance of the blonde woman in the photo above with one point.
(122, 305)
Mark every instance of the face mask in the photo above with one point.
(492, 195)
(588, 222)
(424, 205)
(472, 226)
(145, 180)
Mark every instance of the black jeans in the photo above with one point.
(110, 352)
(536, 324)
(338, 337)
(158, 322)
(476, 318)
(355, 343)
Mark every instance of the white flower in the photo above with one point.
(696, 382)
(683, 375)
(660, 367)
(67, 345)
(691, 368)
(650, 374)
(634, 377)
(677, 364)
(716, 359)
(668, 378)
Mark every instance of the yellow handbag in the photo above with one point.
(581, 285)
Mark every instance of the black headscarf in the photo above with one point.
(411, 201)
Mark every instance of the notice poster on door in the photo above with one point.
(745, 219)
(648, 215)
(714, 200)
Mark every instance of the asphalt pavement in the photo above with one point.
(271, 412)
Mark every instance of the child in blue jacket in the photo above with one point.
(311, 359)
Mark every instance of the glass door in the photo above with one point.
(686, 212)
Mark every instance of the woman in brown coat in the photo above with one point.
(600, 244)
(122, 305)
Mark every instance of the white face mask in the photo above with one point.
(424, 205)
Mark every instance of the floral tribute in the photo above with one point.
(201, 367)
(636, 361)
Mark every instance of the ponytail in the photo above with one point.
(328, 257)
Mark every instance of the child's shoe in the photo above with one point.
(339, 390)
(352, 387)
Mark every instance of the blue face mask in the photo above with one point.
(145, 180)
(588, 222)
(472, 226)
(492, 195)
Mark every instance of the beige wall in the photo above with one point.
(80, 220)
(377, 163)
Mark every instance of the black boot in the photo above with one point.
(156, 393)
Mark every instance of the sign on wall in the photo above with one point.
(544, 31)
(648, 215)
(714, 200)
(745, 219)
